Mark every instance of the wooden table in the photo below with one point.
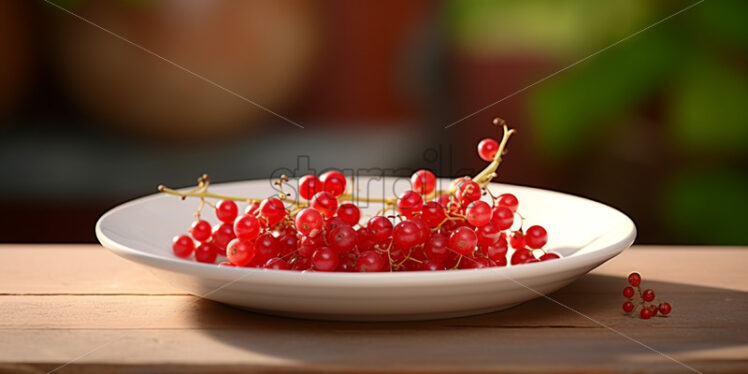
(81, 303)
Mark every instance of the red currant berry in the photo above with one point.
(325, 259)
(223, 233)
(432, 266)
(635, 279)
(648, 295)
(433, 214)
(503, 217)
(467, 191)
(300, 263)
(252, 208)
(628, 307)
(309, 185)
(463, 241)
(406, 234)
(499, 260)
(496, 251)
(522, 256)
(444, 200)
(423, 182)
(333, 182)
(508, 200)
(379, 228)
(309, 222)
(424, 230)
(549, 256)
(201, 230)
(266, 247)
(478, 213)
(653, 309)
(247, 227)
(409, 204)
(288, 243)
(226, 211)
(314, 242)
(325, 203)
(487, 149)
(240, 252)
(517, 241)
(488, 234)
(342, 239)
(276, 263)
(665, 308)
(536, 237)
(182, 246)
(371, 261)
(364, 241)
(628, 292)
(436, 248)
(273, 210)
(225, 263)
(206, 252)
(349, 213)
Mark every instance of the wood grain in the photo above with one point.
(114, 316)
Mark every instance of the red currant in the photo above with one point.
(487, 149)
(333, 182)
(496, 251)
(522, 256)
(433, 214)
(266, 247)
(288, 243)
(653, 309)
(349, 213)
(549, 256)
(423, 230)
(665, 308)
(488, 234)
(423, 182)
(273, 210)
(342, 239)
(325, 203)
(325, 259)
(301, 263)
(628, 307)
(536, 237)
(309, 222)
(309, 185)
(247, 227)
(406, 234)
(432, 266)
(240, 252)
(380, 228)
(517, 241)
(508, 200)
(206, 252)
(371, 261)
(478, 213)
(463, 241)
(225, 263)
(436, 248)
(226, 211)
(628, 292)
(201, 230)
(648, 295)
(409, 204)
(182, 246)
(635, 279)
(503, 217)
(276, 263)
(468, 191)
(223, 233)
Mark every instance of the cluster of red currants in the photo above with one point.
(647, 309)
(461, 228)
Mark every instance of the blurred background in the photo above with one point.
(656, 126)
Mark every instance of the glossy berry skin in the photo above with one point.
(206, 252)
(334, 222)
(432, 266)
(325, 203)
(433, 214)
(635, 279)
(487, 149)
(252, 208)
(522, 256)
(201, 230)
(247, 227)
(349, 213)
(628, 307)
(288, 244)
(226, 211)
(309, 222)
(503, 217)
(463, 241)
(277, 263)
(406, 234)
(370, 261)
(517, 241)
(309, 185)
(436, 248)
(223, 233)
(342, 239)
(645, 313)
(379, 228)
(266, 247)
(488, 234)
(536, 237)
(182, 246)
(467, 192)
(653, 308)
(301, 263)
(333, 182)
(628, 292)
(648, 295)
(240, 252)
(273, 210)
(423, 230)
(444, 200)
(496, 251)
(325, 259)
(478, 213)
(665, 308)
(409, 204)
(549, 256)
(508, 200)
(423, 182)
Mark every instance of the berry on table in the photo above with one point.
(665, 308)
(628, 307)
(628, 292)
(635, 279)
(645, 313)
(648, 295)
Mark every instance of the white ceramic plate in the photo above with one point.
(585, 232)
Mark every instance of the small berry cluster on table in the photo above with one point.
(463, 227)
(645, 304)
